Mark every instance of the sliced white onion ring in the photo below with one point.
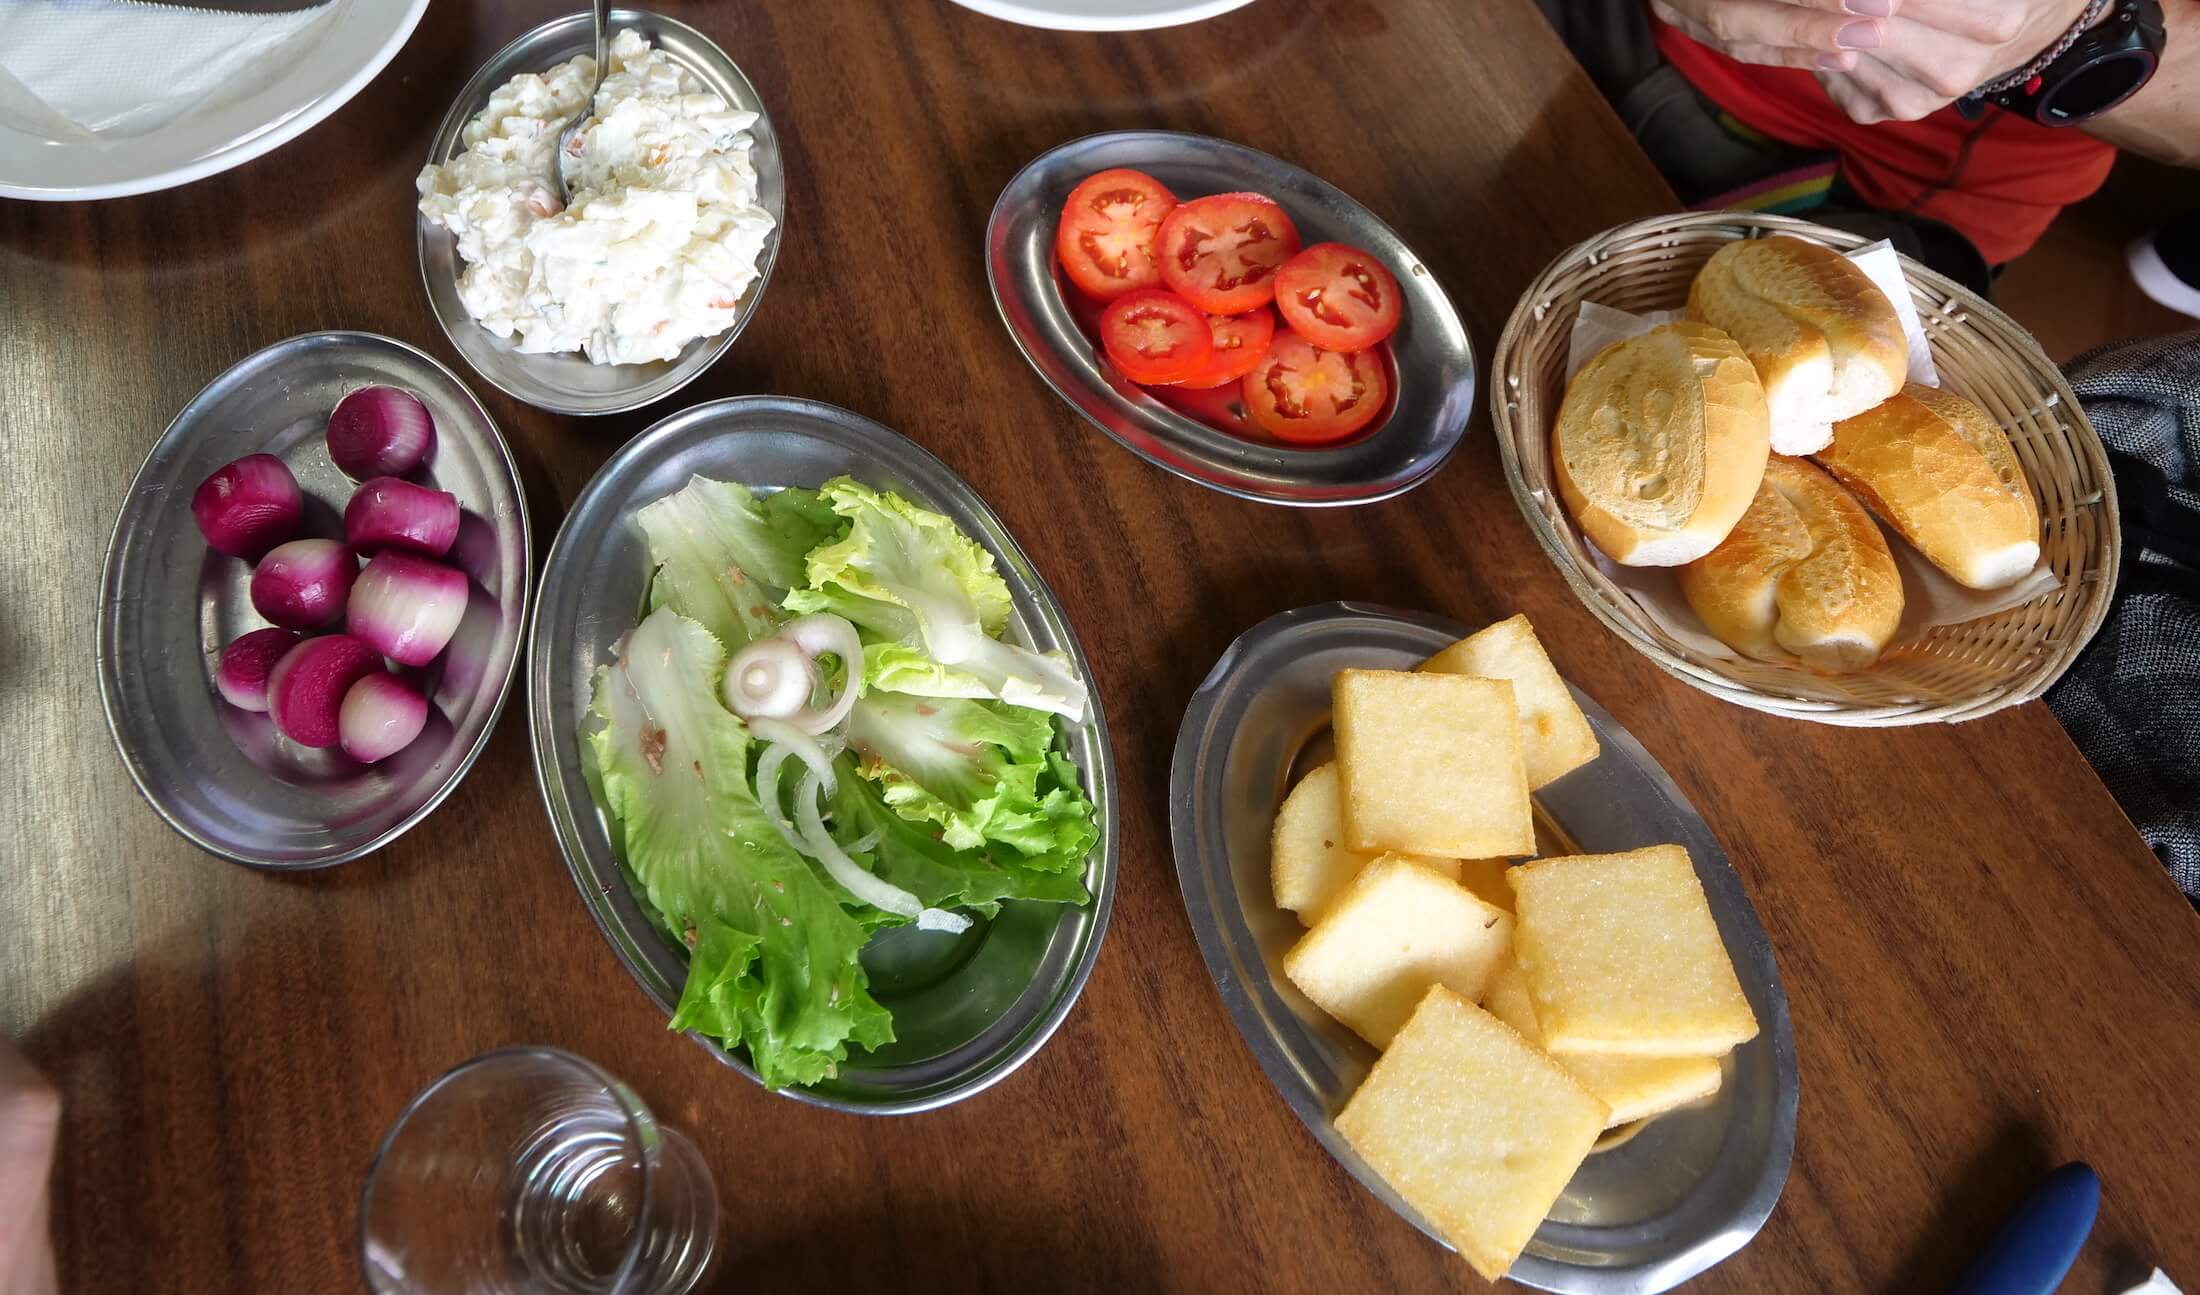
(804, 746)
(767, 793)
(771, 677)
(816, 634)
(866, 886)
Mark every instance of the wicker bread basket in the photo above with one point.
(1954, 672)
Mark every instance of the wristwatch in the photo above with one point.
(2097, 66)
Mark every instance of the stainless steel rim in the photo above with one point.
(567, 811)
(703, 352)
(1324, 477)
(110, 604)
(1564, 1256)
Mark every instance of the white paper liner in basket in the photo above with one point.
(1930, 597)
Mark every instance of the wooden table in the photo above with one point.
(1989, 973)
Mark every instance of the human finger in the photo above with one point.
(1985, 22)
(1809, 60)
(1872, 92)
(1729, 25)
(1946, 63)
(30, 1123)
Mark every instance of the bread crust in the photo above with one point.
(1937, 469)
(1806, 576)
(1826, 341)
(1660, 443)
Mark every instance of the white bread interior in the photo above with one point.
(1934, 467)
(1826, 341)
(1660, 444)
(1806, 576)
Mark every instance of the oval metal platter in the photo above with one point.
(968, 1008)
(1432, 360)
(222, 776)
(1645, 1212)
(568, 383)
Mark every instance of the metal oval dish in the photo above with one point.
(967, 1009)
(222, 776)
(1647, 1212)
(1432, 375)
(568, 383)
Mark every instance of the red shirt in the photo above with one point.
(1999, 180)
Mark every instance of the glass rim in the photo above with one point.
(640, 1121)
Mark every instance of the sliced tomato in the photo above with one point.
(1221, 252)
(1303, 393)
(1105, 240)
(1155, 336)
(1337, 297)
(1240, 342)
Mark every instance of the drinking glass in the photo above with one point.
(532, 1170)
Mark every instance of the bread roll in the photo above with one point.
(1805, 576)
(1937, 469)
(1824, 338)
(1660, 443)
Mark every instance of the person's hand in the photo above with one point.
(1881, 60)
(30, 1126)
(1937, 51)
(1818, 35)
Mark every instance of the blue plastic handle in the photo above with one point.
(2040, 1239)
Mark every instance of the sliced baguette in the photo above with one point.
(1805, 576)
(1939, 471)
(1660, 444)
(1826, 341)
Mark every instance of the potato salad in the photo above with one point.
(664, 230)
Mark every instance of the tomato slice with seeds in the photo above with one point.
(1303, 393)
(1338, 297)
(1155, 336)
(1105, 240)
(1240, 342)
(1221, 252)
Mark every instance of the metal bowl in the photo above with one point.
(568, 383)
(969, 1008)
(1433, 360)
(221, 776)
(1645, 1212)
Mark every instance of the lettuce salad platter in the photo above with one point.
(817, 731)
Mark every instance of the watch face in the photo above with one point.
(2096, 87)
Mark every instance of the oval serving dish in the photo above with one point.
(1645, 1212)
(1432, 360)
(968, 1008)
(222, 776)
(568, 383)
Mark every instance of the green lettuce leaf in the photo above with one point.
(722, 556)
(909, 577)
(912, 856)
(977, 771)
(775, 964)
(1039, 681)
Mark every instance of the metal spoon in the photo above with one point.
(588, 109)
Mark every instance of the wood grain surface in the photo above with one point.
(1989, 973)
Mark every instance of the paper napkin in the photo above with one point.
(71, 70)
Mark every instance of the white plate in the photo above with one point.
(1102, 15)
(357, 44)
